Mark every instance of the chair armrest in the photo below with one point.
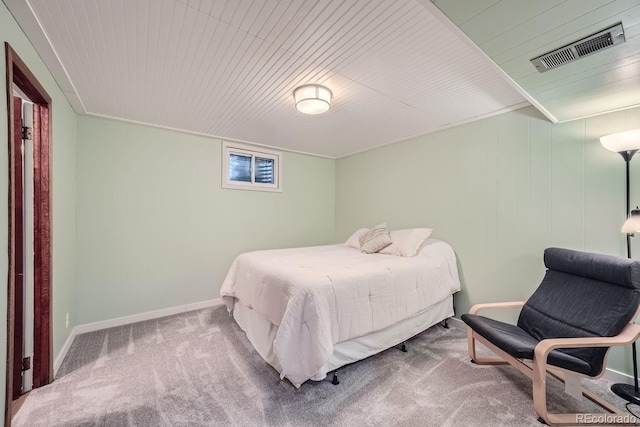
(629, 334)
(539, 370)
(477, 307)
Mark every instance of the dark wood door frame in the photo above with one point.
(17, 73)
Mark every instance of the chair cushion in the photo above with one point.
(605, 268)
(582, 295)
(521, 345)
(566, 305)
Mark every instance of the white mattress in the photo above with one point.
(321, 296)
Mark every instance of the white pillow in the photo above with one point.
(375, 239)
(407, 242)
(354, 240)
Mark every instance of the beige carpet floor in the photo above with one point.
(198, 369)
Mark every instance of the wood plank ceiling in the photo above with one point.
(511, 32)
(228, 68)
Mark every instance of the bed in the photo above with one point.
(308, 311)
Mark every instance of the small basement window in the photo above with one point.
(251, 168)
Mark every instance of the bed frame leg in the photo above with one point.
(445, 324)
(335, 378)
(402, 346)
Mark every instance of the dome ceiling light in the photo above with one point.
(312, 99)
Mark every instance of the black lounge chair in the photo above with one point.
(585, 304)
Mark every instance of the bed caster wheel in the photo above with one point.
(542, 421)
(474, 362)
(403, 348)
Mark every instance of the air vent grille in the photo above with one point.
(583, 47)
(595, 44)
(558, 58)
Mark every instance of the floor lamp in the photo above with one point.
(626, 144)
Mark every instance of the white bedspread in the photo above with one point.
(323, 295)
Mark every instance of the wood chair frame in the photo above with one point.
(538, 368)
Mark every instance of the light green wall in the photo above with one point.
(155, 228)
(499, 190)
(63, 192)
(63, 217)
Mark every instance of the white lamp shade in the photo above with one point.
(622, 141)
(312, 99)
(632, 224)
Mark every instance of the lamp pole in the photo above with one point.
(630, 393)
(627, 156)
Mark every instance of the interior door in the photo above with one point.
(18, 273)
(22, 151)
(28, 211)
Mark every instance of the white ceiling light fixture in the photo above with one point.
(312, 99)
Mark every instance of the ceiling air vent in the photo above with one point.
(583, 47)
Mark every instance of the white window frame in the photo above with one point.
(229, 148)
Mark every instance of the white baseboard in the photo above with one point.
(63, 352)
(125, 320)
(203, 304)
(617, 377)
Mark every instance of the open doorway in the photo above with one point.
(29, 278)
